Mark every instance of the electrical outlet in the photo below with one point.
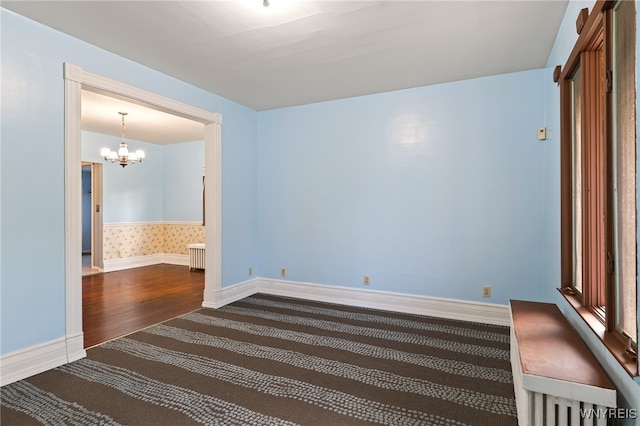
(283, 272)
(486, 291)
(250, 271)
(366, 280)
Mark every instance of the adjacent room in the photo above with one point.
(418, 212)
(141, 215)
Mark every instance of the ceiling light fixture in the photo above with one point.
(123, 156)
(265, 3)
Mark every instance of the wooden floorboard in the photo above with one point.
(118, 303)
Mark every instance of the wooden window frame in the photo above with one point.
(598, 294)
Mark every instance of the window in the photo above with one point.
(576, 156)
(624, 175)
(598, 188)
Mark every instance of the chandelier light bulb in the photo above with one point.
(123, 151)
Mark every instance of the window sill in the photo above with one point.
(615, 345)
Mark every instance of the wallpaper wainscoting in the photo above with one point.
(178, 236)
(142, 239)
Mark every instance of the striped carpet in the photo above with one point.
(269, 360)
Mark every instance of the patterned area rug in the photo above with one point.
(269, 360)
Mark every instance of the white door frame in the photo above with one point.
(75, 80)
(95, 210)
(97, 256)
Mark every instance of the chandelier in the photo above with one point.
(123, 156)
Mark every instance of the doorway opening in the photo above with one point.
(92, 258)
(76, 80)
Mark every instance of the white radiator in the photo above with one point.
(196, 256)
(549, 401)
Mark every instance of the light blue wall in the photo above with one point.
(33, 299)
(33, 295)
(432, 191)
(183, 164)
(165, 187)
(628, 389)
(134, 193)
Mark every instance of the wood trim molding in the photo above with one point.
(594, 190)
(232, 294)
(33, 360)
(566, 173)
(591, 26)
(77, 79)
(583, 15)
(73, 208)
(463, 310)
(557, 71)
(37, 359)
(148, 260)
(592, 53)
(609, 340)
(213, 210)
(97, 83)
(153, 222)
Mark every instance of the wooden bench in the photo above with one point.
(557, 380)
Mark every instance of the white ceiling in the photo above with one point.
(297, 52)
(100, 114)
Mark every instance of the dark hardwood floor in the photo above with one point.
(118, 303)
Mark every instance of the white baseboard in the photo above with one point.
(75, 347)
(27, 362)
(175, 259)
(36, 359)
(487, 313)
(148, 260)
(232, 293)
(112, 265)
